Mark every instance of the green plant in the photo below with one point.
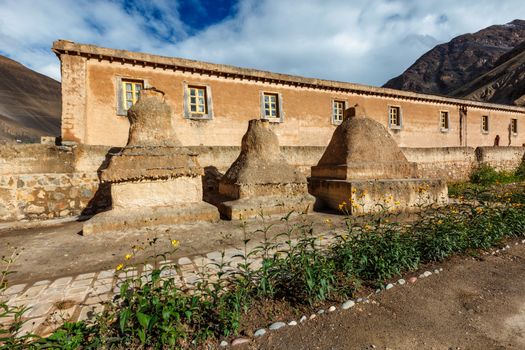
(296, 265)
(486, 175)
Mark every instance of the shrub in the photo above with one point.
(520, 171)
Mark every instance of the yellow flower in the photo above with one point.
(175, 243)
(397, 203)
(479, 210)
(342, 205)
(128, 256)
(368, 227)
(354, 190)
(119, 267)
(440, 222)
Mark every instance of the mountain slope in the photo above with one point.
(448, 67)
(30, 103)
(505, 83)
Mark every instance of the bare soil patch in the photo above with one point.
(475, 303)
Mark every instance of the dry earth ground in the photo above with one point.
(58, 251)
(473, 304)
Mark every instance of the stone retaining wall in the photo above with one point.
(40, 182)
(450, 163)
(500, 158)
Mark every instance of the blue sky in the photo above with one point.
(361, 41)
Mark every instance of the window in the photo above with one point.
(130, 93)
(338, 110)
(443, 120)
(197, 102)
(394, 117)
(271, 106)
(485, 124)
(514, 126)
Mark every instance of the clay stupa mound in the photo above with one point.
(362, 148)
(261, 161)
(153, 180)
(364, 170)
(260, 177)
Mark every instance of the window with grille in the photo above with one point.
(514, 125)
(271, 106)
(485, 123)
(197, 100)
(394, 116)
(130, 93)
(444, 120)
(338, 110)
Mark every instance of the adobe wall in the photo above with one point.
(91, 77)
(40, 182)
(307, 112)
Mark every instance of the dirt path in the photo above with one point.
(472, 304)
(58, 251)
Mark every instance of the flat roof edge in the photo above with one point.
(71, 48)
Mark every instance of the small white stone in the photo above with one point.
(507, 246)
(378, 291)
(516, 243)
(497, 251)
(184, 261)
(259, 332)
(277, 325)
(401, 281)
(302, 319)
(389, 286)
(427, 273)
(421, 276)
(320, 312)
(348, 304)
(359, 300)
(292, 323)
(331, 309)
(312, 316)
(523, 241)
(223, 344)
(440, 269)
(436, 271)
(240, 341)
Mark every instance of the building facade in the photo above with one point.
(212, 104)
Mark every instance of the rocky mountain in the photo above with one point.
(505, 83)
(30, 103)
(458, 68)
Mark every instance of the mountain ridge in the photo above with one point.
(448, 68)
(30, 103)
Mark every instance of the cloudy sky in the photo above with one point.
(361, 41)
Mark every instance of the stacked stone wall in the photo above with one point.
(450, 163)
(500, 158)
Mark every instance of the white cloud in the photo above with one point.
(359, 41)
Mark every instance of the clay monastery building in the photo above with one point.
(212, 104)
